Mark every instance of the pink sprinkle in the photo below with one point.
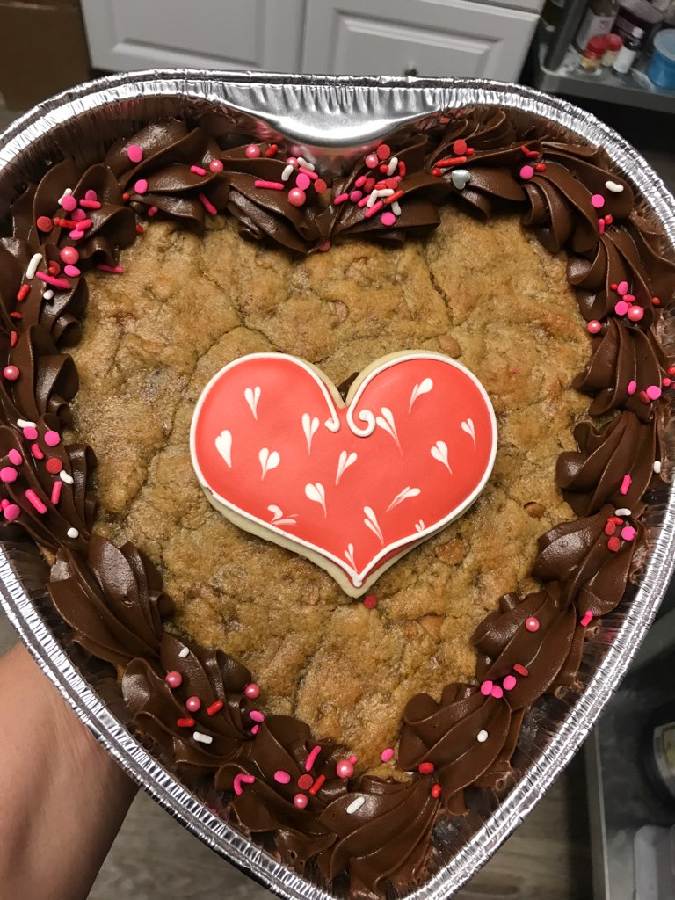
(355, 196)
(632, 387)
(79, 215)
(69, 255)
(112, 270)
(252, 151)
(141, 186)
(597, 201)
(497, 692)
(90, 204)
(282, 777)
(15, 457)
(11, 512)
(37, 453)
(8, 474)
(622, 288)
(653, 392)
(252, 691)
(302, 181)
(362, 202)
(509, 683)
(57, 487)
(134, 153)
(372, 161)
(152, 211)
(340, 198)
(90, 195)
(532, 624)
(388, 219)
(621, 307)
(75, 234)
(526, 172)
(387, 754)
(628, 533)
(239, 779)
(372, 210)
(296, 197)
(30, 432)
(198, 170)
(257, 716)
(255, 730)
(270, 185)
(300, 801)
(486, 688)
(601, 226)
(586, 619)
(35, 501)
(59, 283)
(208, 206)
(625, 485)
(308, 172)
(216, 165)
(311, 758)
(360, 181)
(71, 271)
(68, 202)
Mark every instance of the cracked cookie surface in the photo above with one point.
(485, 293)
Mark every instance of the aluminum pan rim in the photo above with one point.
(396, 98)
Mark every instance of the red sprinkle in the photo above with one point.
(272, 150)
(320, 185)
(53, 465)
(139, 228)
(540, 167)
(269, 185)
(392, 198)
(14, 337)
(532, 623)
(36, 451)
(460, 147)
(610, 527)
(44, 224)
(436, 791)
(90, 204)
(526, 151)
(614, 544)
(656, 301)
(426, 768)
(305, 781)
(215, 707)
(11, 373)
(112, 270)
(23, 292)
(402, 168)
(370, 601)
(521, 670)
(208, 206)
(186, 722)
(451, 161)
(318, 784)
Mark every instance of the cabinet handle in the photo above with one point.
(411, 70)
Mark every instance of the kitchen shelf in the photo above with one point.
(633, 89)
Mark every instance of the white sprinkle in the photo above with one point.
(355, 805)
(184, 652)
(396, 208)
(372, 197)
(32, 266)
(482, 736)
(303, 162)
(65, 194)
(623, 511)
(393, 165)
(288, 171)
(25, 423)
(202, 738)
(48, 294)
(73, 533)
(614, 187)
(657, 466)
(385, 192)
(65, 477)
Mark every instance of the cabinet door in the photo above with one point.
(432, 37)
(223, 34)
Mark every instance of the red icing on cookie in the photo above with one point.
(354, 486)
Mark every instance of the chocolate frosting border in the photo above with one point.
(35, 526)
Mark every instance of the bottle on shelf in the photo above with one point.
(594, 51)
(614, 45)
(598, 20)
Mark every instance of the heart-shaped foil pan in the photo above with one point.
(335, 118)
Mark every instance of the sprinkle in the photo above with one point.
(610, 527)
(252, 151)
(281, 777)
(197, 170)
(625, 485)
(300, 801)
(597, 201)
(272, 150)
(395, 208)
(497, 692)
(631, 388)
(509, 683)
(44, 224)
(344, 768)
(53, 465)
(31, 268)
(76, 234)
(252, 691)
(59, 283)
(392, 165)
(614, 544)
(174, 679)
(486, 688)
(35, 501)
(370, 601)
(269, 185)
(341, 198)
(371, 161)
(152, 211)
(69, 255)
(11, 512)
(373, 209)
(371, 199)
(628, 533)
(390, 199)
(134, 153)
(520, 669)
(257, 716)
(387, 755)
(526, 172)
(383, 152)
(311, 758)
(360, 181)
(73, 534)
(614, 187)
(318, 784)
(48, 295)
(216, 166)
(594, 326)
(185, 651)
(666, 381)
(623, 511)
(288, 171)
(621, 307)
(388, 219)
(586, 619)
(90, 204)
(208, 206)
(609, 219)
(67, 201)
(11, 373)
(355, 806)
(141, 186)
(540, 167)
(532, 623)
(656, 301)
(15, 457)
(302, 181)
(66, 477)
(355, 196)
(305, 782)
(402, 168)
(71, 271)
(111, 270)
(436, 791)
(23, 292)
(239, 779)
(8, 474)
(301, 161)
(215, 707)
(622, 288)
(310, 174)
(186, 722)
(482, 736)
(653, 392)
(193, 704)
(426, 768)
(26, 423)
(657, 466)
(635, 313)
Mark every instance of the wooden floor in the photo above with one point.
(154, 858)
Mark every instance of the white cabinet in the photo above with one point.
(215, 34)
(375, 37)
